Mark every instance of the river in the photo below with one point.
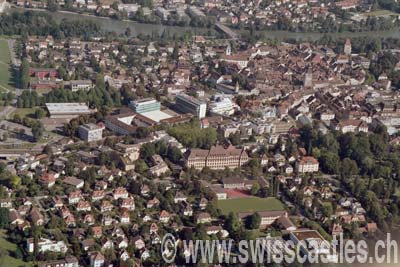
(119, 26)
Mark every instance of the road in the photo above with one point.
(16, 62)
(14, 59)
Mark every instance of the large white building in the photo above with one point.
(223, 107)
(267, 217)
(77, 85)
(217, 158)
(130, 9)
(145, 105)
(68, 110)
(311, 242)
(44, 245)
(121, 123)
(90, 132)
(189, 104)
(69, 261)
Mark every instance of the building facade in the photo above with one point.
(44, 245)
(78, 85)
(307, 164)
(188, 104)
(69, 261)
(90, 132)
(145, 105)
(217, 158)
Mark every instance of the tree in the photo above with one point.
(24, 74)
(128, 32)
(254, 221)
(4, 217)
(232, 222)
(174, 154)
(15, 181)
(114, 5)
(52, 5)
(327, 210)
(234, 138)
(192, 136)
(37, 130)
(147, 150)
(142, 132)
(349, 167)
(141, 166)
(330, 162)
(175, 52)
(255, 188)
(39, 113)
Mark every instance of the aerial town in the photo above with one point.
(109, 141)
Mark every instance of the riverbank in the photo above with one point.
(119, 26)
(136, 28)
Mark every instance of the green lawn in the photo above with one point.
(5, 60)
(327, 203)
(7, 260)
(23, 112)
(252, 204)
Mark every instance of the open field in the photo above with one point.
(7, 260)
(5, 59)
(251, 204)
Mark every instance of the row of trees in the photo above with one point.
(34, 23)
(325, 25)
(6, 98)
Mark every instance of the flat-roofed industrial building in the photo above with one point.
(68, 110)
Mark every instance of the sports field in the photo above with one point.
(250, 204)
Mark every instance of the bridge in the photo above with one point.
(228, 31)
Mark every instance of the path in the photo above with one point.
(14, 59)
(6, 112)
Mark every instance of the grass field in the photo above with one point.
(252, 204)
(5, 60)
(7, 260)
